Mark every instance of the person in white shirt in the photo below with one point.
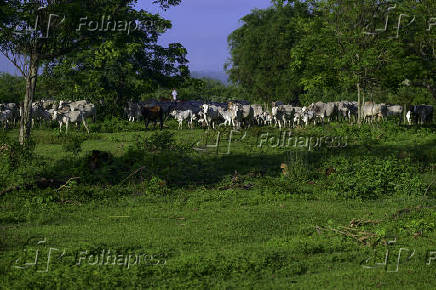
(174, 93)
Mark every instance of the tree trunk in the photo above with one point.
(359, 106)
(26, 110)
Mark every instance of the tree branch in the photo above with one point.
(13, 61)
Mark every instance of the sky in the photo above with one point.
(201, 26)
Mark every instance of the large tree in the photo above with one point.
(37, 32)
(119, 68)
(339, 49)
(260, 51)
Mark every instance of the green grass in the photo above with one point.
(217, 228)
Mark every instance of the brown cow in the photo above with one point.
(152, 113)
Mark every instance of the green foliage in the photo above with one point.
(112, 124)
(260, 52)
(322, 50)
(154, 187)
(372, 178)
(300, 166)
(11, 88)
(150, 197)
(73, 143)
(159, 141)
(15, 154)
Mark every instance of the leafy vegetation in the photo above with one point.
(327, 50)
(236, 220)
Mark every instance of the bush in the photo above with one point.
(73, 143)
(14, 153)
(371, 178)
(158, 142)
(17, 162)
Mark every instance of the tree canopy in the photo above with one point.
(326, 49)
(80, 56)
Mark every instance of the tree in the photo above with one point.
(11, 88)
(260, 52)
(36, 32)
(338, 49)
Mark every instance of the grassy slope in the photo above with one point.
(217, 234)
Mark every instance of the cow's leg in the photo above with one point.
(66, 127)
(84, 124)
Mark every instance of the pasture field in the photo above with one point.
(353, 208)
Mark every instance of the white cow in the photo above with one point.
(69, 117)
(211, 114)
(6, 116)
(180, 116)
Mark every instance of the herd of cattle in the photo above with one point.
(241, 113)
(213, 114)
(64, 112)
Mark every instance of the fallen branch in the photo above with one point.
(361, 237)
(428, 188)
(358, 222)
(10, 189)
(133, 173)
(67, 182)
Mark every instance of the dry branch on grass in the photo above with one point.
(354, 232)
(132, 174)
(67, 182)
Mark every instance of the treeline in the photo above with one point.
(306, 51)
(294, 51)
(12, 89)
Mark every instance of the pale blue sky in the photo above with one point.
(202, 26)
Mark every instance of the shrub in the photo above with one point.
(73, 143)
(155, 187)
(14, 153)
(371, 178)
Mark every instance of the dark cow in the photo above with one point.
(152, 113)
(420, 114)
